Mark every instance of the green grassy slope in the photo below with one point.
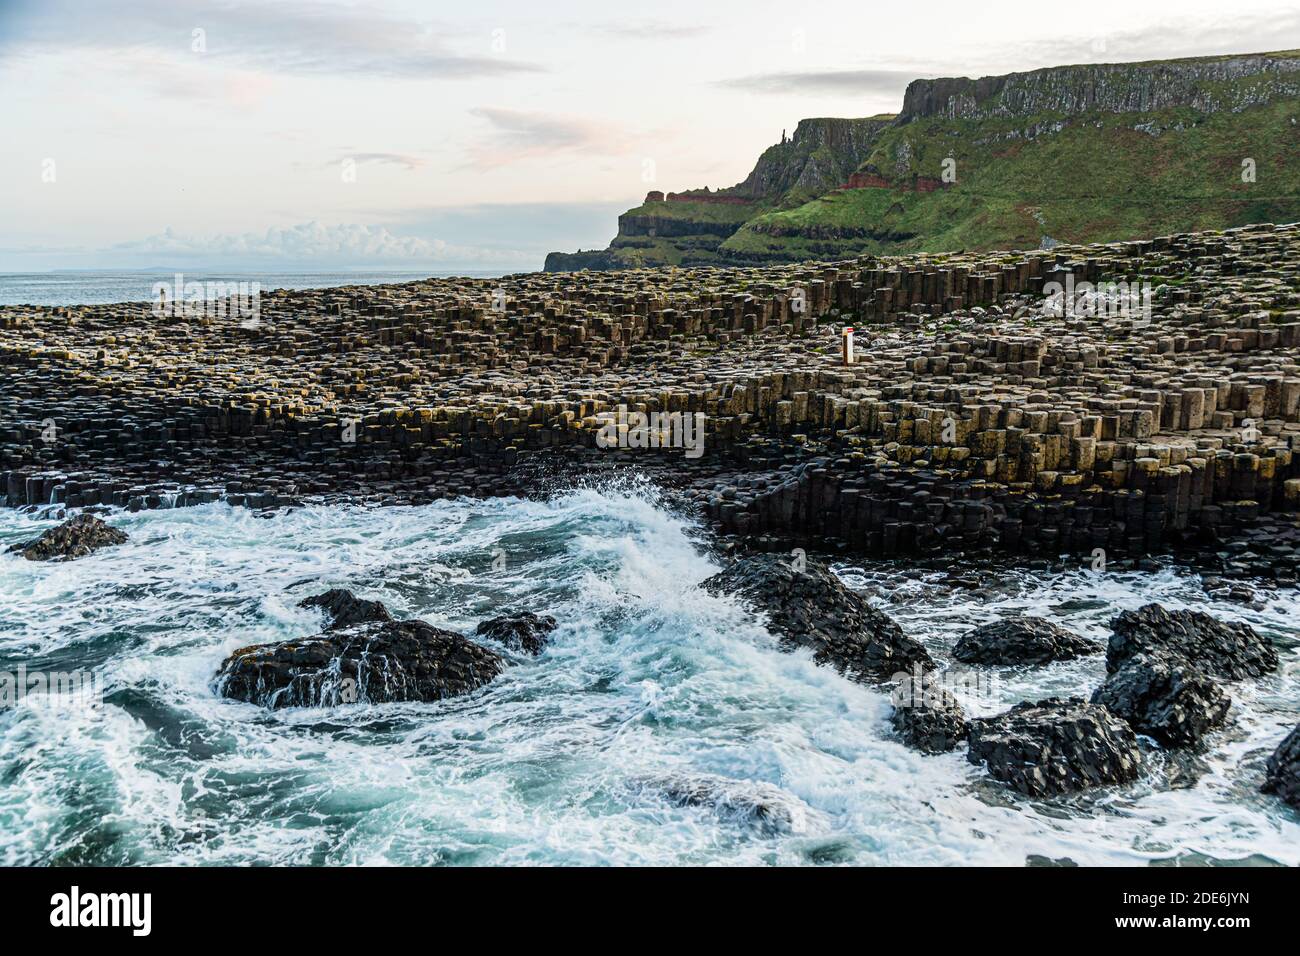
(1097, 179)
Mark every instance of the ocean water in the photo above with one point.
(99, 287)
(574, 757)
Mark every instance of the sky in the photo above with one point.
(308, 134)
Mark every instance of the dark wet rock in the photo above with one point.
(1165, 698)
(1183, 767)
(751, 803)
(1226, 650)
(1021, 640)
(927, 716)
(1282, 772)
(811, 607)
(525, 632)
(343, 608)
(75, 538)
(368, 663)
(1055, 746)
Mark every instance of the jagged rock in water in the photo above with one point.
(811, 607)
(1055, 746)
(344, 609)
(927, 716)
(760, 805)
(1168, 699)
(75, 538)
(526, 631)
(1282, 772)
(1021, 640)
(369, 663)
(1228, 651)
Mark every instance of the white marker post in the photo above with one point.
(848, 345)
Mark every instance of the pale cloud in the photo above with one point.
(518, 135)
(1101, 41)
(309, 242)
(574, 99)
(297, 37)
(652, 30)
(834, 82)
(1237, 31)
(405, 160)
(190, 79)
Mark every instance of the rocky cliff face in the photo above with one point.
(597, 260)
(819, 157)
(634, 223)
(1015, 161)
(687, 227)
(1207, 85)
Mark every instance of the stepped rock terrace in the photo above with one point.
(974, 417)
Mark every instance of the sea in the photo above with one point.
(105, 286)
(651, 689)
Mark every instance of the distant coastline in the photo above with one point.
(103, 286)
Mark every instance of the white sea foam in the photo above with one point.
(648, 679)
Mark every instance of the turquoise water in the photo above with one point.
(573, 757)
(91, 288)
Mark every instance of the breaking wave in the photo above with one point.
(661, 726)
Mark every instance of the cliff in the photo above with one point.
(1087, 153)
(1205, 84)
(820, 156)
(688, 227)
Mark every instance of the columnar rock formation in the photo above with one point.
(976, 414)
(1204, 84)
